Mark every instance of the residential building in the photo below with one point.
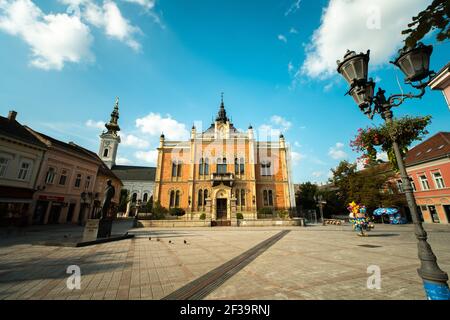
(441, 81)
(21, 155)
(65, 185)
(428, 166)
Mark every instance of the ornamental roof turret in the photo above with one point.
(113, 126)
(222, 114)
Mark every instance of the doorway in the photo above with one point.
(447, 212)
(221, 209)
(55, 212)
(70, 212)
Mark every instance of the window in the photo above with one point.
(88, 182)
(205, 196)
(177, 199)
(24, 170)
(270, 198)
(63, 177)
(266, 168)
(438, 180)
(134, 197)
(3, 166)
(200, 198)
(206, 172)
(78, 181)
(176, 169)
(238, 197)
(400, 186)
(424, 182)
(105, 152)
(201, 167)
(413, 185)
(51, 173)
(172, 199)
(242, 197)
(239, 166)
(222, 165)
(145, 197)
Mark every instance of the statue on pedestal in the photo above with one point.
(109, 195)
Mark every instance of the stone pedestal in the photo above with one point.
(104, 228)
(91, 230)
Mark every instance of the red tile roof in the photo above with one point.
(438, 146)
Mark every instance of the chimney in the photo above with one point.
(12, 115)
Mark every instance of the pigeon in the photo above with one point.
(150, 238)
(170, 241)
(185, 242)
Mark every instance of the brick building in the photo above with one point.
(223, 171)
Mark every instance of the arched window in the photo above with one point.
(179, 169)
(206, 166)
(174, 169)
(205, 196)
(200, 198)
(266, 168)
(236, 166)
(242, 166)
(242, 197)
(265, 198)
(201, 167)
(270, 198)
(105, 152)
(172, 199)
(222, 165)
(145, 197)
(177, 199)
(134, 197)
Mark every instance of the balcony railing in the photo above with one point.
(225, 178)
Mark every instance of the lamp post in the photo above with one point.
(414, 63)
(320, 203)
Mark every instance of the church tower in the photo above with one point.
(109, 140)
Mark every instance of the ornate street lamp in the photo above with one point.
(414, 63)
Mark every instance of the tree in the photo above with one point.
(124, 199)
(305, 195)
(435, 16)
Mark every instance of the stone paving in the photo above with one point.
(317, 262)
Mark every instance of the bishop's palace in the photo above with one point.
(216, 174)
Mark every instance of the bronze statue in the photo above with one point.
(109, 194)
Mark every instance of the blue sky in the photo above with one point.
(64, 62)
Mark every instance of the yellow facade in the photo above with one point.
(222, 171)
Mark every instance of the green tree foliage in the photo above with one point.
(370, 187)
(435, 16)
(305, 195)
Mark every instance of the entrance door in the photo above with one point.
(55, 211)
(39, 212)
(221, 209)
(70, 212)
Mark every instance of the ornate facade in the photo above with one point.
(221, 172)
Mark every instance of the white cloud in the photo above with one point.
(129, 140)
(146, 4)
(296, 157)
(358, 25)
(293, 8)
(280, 121)
(154, 124)
(54, 39)
(147, 156)
(293, 30)
(336, 151)
(290, 67)
(95, 124)
(123, 160)
(317, 174)
(282, 38)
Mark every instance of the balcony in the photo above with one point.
(225, 178)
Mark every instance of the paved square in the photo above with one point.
(316, 262)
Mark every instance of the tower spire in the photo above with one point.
(222, 114)
(113, 126)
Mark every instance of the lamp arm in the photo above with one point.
(397, 99)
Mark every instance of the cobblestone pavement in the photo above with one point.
(317, 262)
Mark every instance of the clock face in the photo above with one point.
(107, 143)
